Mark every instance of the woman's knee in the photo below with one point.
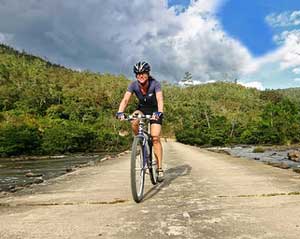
(134, 124)
(155, 140)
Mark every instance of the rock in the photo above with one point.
(13, 190)
(220, 151)
(278, 165)
(296, 170)
(28, 184)
(68, 170)
(258, 150)
(38, 180)
(30, 174)
(90, 163)
(4, 193)
(57, 156)
(294, 156)
(256, 158)
(281, 165)
(11, 187)
(284, 166)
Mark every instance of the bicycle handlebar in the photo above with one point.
(138, 116)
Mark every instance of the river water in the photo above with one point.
(13, 170)
(271, 156)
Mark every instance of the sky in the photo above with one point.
(256, 42)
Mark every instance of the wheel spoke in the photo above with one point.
(137, 170)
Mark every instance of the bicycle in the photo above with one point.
(142, 157)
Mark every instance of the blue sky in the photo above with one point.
(256, 42)
(246, 22)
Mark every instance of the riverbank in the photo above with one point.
(273, 155)
(18, 173)
(22, 172)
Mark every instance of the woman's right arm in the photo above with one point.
(124, 101)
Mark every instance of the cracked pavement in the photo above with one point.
(204, 195)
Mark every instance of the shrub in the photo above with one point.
(18, 139)
(67, 136)
(112, 141)
(258, 150)
(250, 136)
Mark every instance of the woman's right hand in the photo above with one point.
(120, 115)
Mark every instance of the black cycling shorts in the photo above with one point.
(150, 112)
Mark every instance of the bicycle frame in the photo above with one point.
(144, 136)
(145, 159)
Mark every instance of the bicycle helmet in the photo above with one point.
(141, 67)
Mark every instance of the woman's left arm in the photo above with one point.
(160, 101)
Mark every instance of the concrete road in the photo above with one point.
(204, 195)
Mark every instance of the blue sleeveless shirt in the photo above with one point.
(148, 102)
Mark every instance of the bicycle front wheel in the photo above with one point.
(152, 165)
(137, 169)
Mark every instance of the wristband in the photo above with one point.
(119, 115)
(159, 114)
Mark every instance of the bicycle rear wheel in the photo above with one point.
(137, 169)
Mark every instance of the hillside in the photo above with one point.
(291, 93)
(227, 113)
(46, 108)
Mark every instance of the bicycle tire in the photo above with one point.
(152, 164)
(137, 175)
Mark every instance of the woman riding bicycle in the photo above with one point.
(149, 94)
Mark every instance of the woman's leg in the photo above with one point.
(135, 123)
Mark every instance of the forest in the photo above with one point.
(47, 109)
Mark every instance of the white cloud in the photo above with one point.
(297, 79)
(273, 67)
(254, 84)
(5, 37)
(287, 55)
(296, 71)
(204, 6)
(110, 36)
(178, 9)
(194, 82)
(287, 36)
(284, 19)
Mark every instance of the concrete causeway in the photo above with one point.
(205, 195)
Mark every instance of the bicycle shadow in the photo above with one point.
(170, 175)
